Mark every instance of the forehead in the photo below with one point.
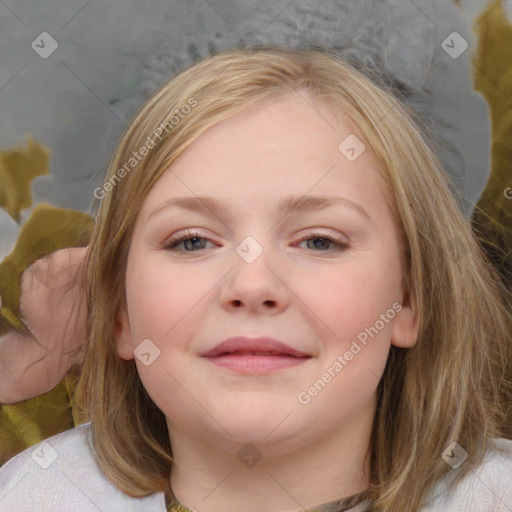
(283, 146)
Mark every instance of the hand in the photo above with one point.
(52, 306)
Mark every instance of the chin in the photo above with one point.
(263, 429)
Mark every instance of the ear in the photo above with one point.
(122, 336)
(406, 324)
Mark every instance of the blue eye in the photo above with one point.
(339, 244)
(195, 238)
(172, 243)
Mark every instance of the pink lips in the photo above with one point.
(255, 355)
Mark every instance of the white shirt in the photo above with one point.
(60, 475)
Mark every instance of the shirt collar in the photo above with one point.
(346, 504)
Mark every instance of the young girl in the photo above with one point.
(286, 310)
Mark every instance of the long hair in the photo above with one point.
(449, 387)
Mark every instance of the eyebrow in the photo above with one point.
(296, 204)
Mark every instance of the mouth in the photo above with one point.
(255, 355)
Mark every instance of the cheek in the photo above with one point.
(164, 305)
(161, 296)
(355, 305)
(349, 299)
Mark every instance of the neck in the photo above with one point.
(209, 478)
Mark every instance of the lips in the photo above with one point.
(262, 346)
(255, 356)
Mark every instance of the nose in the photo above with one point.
(257, 282)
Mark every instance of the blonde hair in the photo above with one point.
(450, 386)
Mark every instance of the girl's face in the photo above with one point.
(256, 270)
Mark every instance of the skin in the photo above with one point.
(52, 307)
(316, 299)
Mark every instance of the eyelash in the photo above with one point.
(173, 242)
